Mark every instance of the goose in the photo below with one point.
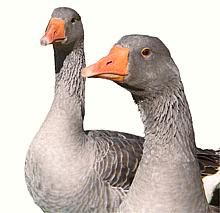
(168, 177)
(68, 169)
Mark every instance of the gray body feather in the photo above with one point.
(168, 178)
(71, 170)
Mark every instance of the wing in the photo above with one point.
(214, 209)
(117, 157)
(209, 161)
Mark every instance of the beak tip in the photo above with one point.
(84, 72)
(44, 41)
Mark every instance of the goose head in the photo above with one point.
(139, 63)
(64, 28)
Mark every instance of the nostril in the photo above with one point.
(109, 62)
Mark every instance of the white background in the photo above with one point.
(190, 29)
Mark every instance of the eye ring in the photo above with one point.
(146, 52)
(73, 20)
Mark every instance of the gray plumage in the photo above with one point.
(168, 178)
(68, 169)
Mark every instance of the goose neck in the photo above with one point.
(70, 85)
(168, 123)
(168, 176)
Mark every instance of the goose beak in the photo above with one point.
(113, 67)
(54, 32)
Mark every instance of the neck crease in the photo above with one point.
(70, 85)
(168, 177)
(168, 124)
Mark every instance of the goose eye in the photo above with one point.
(73, 20)
(146, 52)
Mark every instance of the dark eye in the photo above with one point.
(73, 20)
(146, 52)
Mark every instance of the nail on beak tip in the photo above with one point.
(44, 42)
(85, 72)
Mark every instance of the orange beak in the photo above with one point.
(113, 67)
(54, 32)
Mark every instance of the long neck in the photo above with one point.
(168, 125)
(168, 177)
(70, 85)
(58, 148)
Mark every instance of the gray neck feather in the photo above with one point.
(167, 121)
(168, 177)
(59, 160)
(70, 85)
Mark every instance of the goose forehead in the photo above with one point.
(65, 12)
(136, 41)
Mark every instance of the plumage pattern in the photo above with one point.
(117, 157)
(168, 178)
(209, 161)
(68, 169)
